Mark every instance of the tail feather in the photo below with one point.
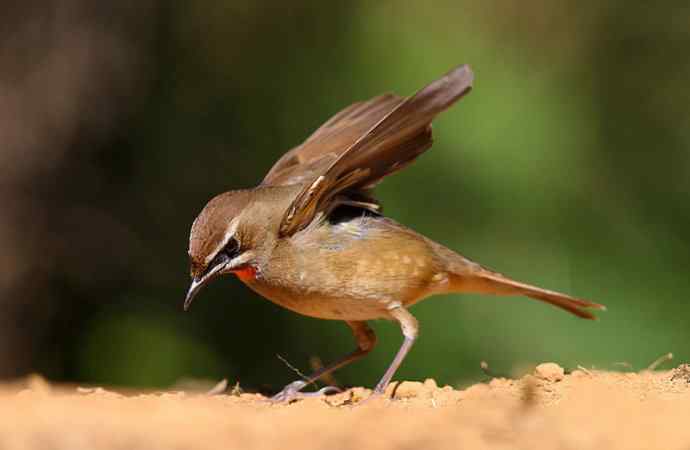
(486, 282)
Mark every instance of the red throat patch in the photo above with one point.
(246, 273)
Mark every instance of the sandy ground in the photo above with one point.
(546, 409)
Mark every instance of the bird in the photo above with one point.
(312, 237)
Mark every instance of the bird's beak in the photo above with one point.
(201, 281)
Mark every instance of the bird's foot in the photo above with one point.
(293, 392)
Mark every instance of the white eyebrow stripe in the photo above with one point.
(232, 229)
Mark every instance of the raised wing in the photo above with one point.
(356, 148)
(312, 158)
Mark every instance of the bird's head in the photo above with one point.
(223, 240)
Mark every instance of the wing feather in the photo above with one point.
(361, 145)
(307, 161)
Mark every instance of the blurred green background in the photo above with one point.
(568, 166)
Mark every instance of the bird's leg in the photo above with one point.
(410, 330)
(366, 339)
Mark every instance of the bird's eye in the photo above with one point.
(232, 248)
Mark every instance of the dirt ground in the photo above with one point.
(546, 409)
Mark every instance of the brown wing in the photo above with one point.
(304, 163)
(401, 131)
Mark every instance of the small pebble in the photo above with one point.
(549, 372)
(430, 383)
(37, 383)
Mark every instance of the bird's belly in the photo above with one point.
(325, 305)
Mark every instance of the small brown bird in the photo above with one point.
(311, 237)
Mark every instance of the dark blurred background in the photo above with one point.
(568, 166)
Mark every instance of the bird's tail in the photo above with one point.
(488, 282)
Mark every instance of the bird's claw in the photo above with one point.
(293, 392)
